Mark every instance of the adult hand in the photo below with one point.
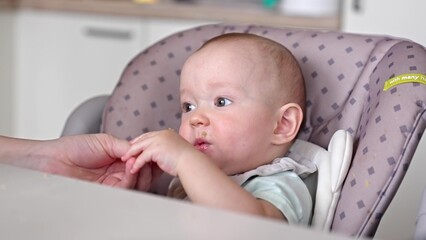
(94, 157)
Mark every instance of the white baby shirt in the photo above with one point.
(279, 183)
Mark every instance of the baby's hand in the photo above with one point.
(165, 148)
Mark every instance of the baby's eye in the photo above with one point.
(187, 107)
(221, 102)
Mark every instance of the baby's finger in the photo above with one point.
(140, 161)
(129, 164)
(129, 180)
(134, 150)
(141, 137)
(126, 158)
(135, 139)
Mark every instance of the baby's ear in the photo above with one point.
(289, 119)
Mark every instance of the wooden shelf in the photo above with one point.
(7, 4)
(175, 10)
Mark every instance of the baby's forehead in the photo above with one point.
(245, 51)
(239, 54)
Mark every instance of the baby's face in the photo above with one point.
(226, 112)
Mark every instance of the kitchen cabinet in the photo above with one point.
(64, 58)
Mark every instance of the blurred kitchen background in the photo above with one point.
(54, 54)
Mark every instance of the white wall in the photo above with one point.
(402, 18)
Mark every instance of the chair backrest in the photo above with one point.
(345, 76)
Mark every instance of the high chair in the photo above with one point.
(370, 86)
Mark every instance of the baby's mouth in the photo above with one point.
(201, 144)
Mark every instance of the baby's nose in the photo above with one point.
(199, 119)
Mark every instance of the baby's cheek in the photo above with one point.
(183, 132)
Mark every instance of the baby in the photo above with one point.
(242, 99)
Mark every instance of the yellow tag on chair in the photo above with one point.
(405, 78)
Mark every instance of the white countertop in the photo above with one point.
(35, 205)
